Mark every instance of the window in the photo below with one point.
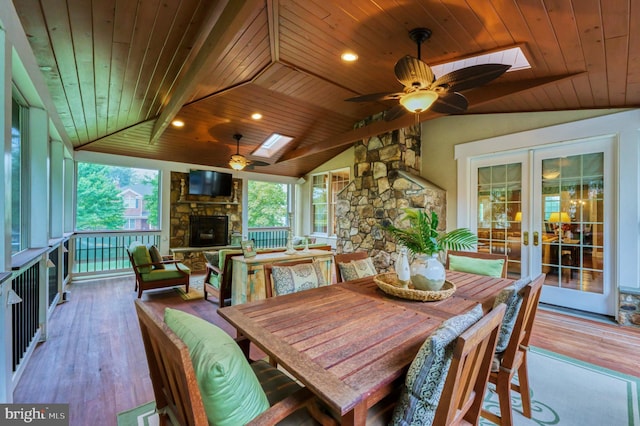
(325, 188)
(18, 201)
(268, 204)
(104, 193)
(130, 202)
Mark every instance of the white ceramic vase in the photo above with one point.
(403, 270)
(427, 272)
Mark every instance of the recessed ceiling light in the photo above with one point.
(177, 123)
(256, 116)
(349, 57)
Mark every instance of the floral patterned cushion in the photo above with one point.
(355, 269)
(428, 372)
(291, 279)
(509, 296)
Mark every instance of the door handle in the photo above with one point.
(525, 238)
(535, 238)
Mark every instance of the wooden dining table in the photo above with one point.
(351, 343)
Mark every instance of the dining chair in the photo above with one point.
(345, 269)
(431, 394)
(490, 264)
(204, 389)
(511, 352)
(290, 277)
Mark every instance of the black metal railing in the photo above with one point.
(25, 314)
(107, 251)
(268, 237)
(52, 274)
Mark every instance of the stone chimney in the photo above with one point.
(387, 180)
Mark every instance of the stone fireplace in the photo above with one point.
(205, 231)
(386, 181)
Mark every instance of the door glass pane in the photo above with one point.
(500, 212)
(573, 222)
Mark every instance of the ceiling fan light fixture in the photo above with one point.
(238, 162)
(418, 101)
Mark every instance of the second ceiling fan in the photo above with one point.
(422, 91)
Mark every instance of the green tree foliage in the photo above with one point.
(151, 200)
(122, 176)
(267, 204)
(99, 205)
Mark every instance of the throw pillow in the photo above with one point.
(212, 257)
(156, 257)
(489, 267)
(364, 267)
(230, 390)
(355, 269)
(141, 256)
(428, 372)
(291, 279)
(511, 297)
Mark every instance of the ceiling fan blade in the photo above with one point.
(256, 163)
(395, 112)
(412, 72)
(375, 97)
(470, 77)
(450, 103)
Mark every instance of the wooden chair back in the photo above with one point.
(466, 382)
(514, 357)
(480, 255)
(172, 375)
(268, 268)
(345, 258)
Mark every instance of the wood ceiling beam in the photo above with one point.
(476, 97)
(233, 20)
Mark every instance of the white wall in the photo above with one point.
(440, 136)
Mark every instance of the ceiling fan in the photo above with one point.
(422, 91)
(239, 162)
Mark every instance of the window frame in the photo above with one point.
(330, 200)
(24, 208)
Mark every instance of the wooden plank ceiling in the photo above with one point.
(120, 70)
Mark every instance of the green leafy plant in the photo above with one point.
(422, 236)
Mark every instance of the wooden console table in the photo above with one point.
(247, 283)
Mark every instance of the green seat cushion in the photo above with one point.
(428, 372)
(230, 390)
(511, 297)
(170, 271)
(291, 279)
(355, 269)
(489, 267)
(141, 256)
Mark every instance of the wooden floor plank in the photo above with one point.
(94, 359)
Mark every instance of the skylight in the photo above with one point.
(271, 145)
(513, 56)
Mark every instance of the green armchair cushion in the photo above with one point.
(171, 270)
(230, 390)
(489, 267)
(140, 254)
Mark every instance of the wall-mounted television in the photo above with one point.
(207, 182)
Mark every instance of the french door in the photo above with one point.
(549, 210)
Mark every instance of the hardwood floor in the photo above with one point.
(94, 359)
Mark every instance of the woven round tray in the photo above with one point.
(389, 284)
